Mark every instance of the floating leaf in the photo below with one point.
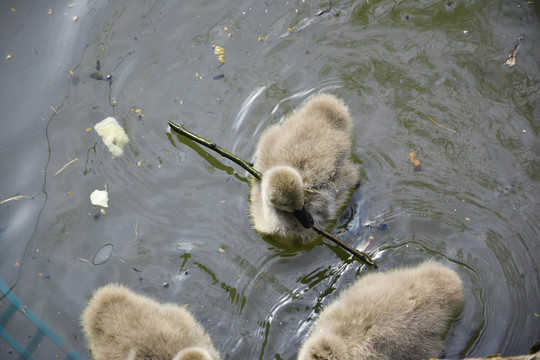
(414, 161)
(511, 59)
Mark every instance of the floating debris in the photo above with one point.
(331, 10)
(414, 161)
(381, 226)
(221, 250)
(367, 243)
(99, 198)
(113, 135)
(137, 111)
(65, 166)
(444, 127)
(219, 51)
(103, 254)
(99, 76)
(18, 197)
(75, 18)
(50, 12)
(9, 57)
(511, 59)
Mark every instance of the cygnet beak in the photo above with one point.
(304, 218)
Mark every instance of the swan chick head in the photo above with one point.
(283, 188)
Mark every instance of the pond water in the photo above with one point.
(422, 76)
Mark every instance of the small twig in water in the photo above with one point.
(247, 166)
(65, 166)
(181, 130)
(18, 197)
(444, 127)
(360, 255)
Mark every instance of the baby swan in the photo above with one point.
(400, 315)
(307, 172)
(121, 324)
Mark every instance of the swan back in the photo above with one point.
(118, 322)
(400, 314)
(314, 144)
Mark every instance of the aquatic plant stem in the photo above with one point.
(247, 166)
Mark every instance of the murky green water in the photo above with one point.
(180, 218)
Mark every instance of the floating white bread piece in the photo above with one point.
(113, 135)
(99, 198)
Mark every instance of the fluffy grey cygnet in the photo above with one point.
(398, 315)
(306, 166)
(123, 325)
